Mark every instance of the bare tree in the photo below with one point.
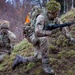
(64, 6)
(72, 4)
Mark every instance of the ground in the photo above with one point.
(62, 55)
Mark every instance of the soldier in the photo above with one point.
(39, 39)
(6, 36)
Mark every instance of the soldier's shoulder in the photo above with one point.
(40, 17)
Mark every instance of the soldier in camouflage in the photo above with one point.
(39, 39)
(5, 39)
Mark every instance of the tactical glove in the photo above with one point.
(73, 40)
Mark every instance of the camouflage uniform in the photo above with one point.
(5, 39)
(40, 40)
(41, 49)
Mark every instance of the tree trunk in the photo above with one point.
(64, 6)
(72, 4)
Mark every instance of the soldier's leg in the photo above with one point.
(9, 48)
(19, 59)
(2, 55)
(45, 60)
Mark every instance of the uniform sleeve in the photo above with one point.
(40, 21)
(65, 31)
(11, 35)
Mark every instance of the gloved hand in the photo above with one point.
(73, 40)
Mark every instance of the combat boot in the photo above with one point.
(47, 69)
(19, 60)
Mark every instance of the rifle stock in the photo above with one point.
(55, 26)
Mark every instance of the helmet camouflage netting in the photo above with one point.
(53, 6)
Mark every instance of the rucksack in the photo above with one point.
(31, 16)
(31, 20)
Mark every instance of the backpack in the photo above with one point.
(31, 20)
(31, 16)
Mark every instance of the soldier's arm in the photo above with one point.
(40, 21)
(66, 33)
(11, 35)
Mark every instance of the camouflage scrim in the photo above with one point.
(53, 6)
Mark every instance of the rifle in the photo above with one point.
(55, 26)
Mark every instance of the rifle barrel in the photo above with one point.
(51, 27)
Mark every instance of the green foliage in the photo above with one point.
(61, 42)
(23, 48)
(64, 44)
(66, 54)
(61, 54)
(51, 47)
(70, 53)
(53, 60)
(16, 74)
(30, 66)
(69, 72)
(1, 67)
(73, 67)
(70, 16)
(52, 0)
(38, 71)
(22, 45)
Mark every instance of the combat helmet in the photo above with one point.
(4, 24)
(53, 6)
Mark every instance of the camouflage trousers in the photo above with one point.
(2, 55)
(4, 51)
(41, 50)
